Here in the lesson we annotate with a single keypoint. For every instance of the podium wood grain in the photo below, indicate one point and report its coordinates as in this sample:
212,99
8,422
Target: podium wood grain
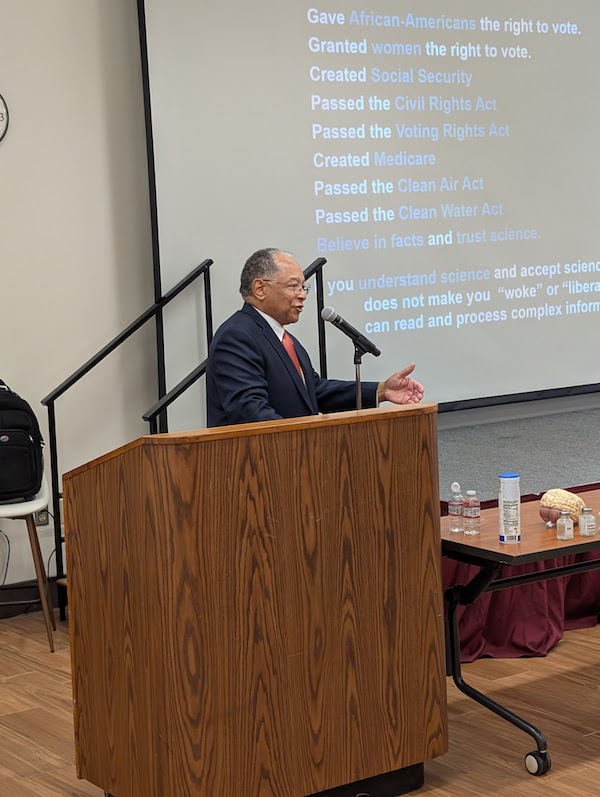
257,610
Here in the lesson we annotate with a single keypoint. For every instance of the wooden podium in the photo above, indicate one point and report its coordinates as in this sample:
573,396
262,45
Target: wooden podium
256,610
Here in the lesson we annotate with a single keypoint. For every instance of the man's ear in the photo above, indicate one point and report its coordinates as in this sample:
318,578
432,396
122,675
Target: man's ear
258,288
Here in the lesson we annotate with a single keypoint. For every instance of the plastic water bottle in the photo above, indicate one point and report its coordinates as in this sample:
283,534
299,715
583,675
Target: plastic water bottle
455,509
472,513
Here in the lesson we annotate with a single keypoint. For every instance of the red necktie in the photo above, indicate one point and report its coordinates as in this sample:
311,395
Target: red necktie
288,345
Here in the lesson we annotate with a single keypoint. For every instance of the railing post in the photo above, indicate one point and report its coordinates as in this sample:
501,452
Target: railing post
321,324
58,540
316,269
208,308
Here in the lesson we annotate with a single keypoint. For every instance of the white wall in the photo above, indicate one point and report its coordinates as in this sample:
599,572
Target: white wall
75,246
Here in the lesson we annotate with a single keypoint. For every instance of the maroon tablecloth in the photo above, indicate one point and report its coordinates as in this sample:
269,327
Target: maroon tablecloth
527,620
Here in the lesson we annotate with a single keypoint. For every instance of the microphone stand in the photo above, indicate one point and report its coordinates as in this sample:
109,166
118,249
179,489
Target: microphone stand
362,346
359,350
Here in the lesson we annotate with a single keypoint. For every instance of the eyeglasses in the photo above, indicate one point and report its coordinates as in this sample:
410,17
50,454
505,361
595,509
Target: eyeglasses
295,289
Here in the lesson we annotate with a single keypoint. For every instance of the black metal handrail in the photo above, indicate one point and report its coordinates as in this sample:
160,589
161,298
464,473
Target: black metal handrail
315,269
50,400
151,415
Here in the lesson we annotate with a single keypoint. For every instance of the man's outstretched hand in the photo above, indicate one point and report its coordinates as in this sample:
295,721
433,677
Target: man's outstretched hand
399,388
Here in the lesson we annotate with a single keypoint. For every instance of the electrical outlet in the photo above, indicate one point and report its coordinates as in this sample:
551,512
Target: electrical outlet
42,518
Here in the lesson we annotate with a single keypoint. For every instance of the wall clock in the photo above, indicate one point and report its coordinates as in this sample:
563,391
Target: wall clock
3,117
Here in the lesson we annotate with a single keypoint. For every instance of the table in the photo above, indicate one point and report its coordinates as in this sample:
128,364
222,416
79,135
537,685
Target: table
538,544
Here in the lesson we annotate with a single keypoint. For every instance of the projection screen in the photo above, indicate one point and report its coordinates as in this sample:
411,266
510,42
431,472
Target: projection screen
440,155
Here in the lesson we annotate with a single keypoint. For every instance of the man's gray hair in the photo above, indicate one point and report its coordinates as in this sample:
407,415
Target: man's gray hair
260,265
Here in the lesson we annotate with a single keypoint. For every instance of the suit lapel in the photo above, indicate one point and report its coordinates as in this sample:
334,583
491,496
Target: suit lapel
309,396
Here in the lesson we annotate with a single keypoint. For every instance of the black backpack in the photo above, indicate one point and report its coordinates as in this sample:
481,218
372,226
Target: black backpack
21,460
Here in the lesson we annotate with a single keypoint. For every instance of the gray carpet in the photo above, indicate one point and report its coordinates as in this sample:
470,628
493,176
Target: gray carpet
561,450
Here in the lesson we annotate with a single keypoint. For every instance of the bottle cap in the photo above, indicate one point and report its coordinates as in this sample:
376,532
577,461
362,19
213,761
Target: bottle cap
587,508
509,474
565,513
471,492
455,487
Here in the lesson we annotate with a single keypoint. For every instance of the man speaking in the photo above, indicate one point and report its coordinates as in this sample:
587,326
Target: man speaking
257,371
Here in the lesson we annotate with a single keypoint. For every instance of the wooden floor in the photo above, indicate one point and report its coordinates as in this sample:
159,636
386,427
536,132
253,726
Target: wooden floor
560,693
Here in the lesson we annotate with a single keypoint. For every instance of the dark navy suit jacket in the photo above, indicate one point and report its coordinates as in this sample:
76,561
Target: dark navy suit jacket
250,377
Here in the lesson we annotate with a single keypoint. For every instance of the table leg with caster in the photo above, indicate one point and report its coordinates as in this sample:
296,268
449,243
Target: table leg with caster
538,762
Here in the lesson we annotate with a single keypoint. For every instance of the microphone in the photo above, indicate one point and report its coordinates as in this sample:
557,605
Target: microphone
329,314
